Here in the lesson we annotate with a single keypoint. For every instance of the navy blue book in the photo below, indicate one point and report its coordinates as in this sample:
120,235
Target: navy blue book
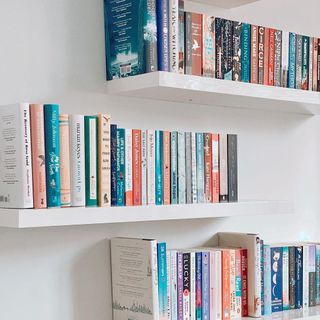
299,277
276,279
163,35
113,140
120,167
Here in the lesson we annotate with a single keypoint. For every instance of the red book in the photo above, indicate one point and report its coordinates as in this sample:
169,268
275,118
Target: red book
215,168
266,56
225,285
271,56
244,279
208,167
136,166
196,44
254,54
166,167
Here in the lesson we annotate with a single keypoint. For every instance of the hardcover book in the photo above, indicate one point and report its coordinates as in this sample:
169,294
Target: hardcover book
276,276
162,9
236,66
128,170
159,166
174,167
166,168
245,52
227,50
254,54
136,167
209,46
113,138
121,167
181,169
261,52
151,163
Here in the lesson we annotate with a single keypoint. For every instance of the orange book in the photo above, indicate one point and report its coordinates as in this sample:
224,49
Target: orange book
215,168
136,166
271,57
207,167
166,167
266,56
225,285
38,156
315,65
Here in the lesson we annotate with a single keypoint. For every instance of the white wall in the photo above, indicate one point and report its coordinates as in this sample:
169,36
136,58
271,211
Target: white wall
53,50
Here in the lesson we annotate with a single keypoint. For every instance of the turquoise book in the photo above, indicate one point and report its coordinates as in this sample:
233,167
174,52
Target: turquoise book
245,56
174,166
292,60
52,154
162,280
91,160
200,166
121,167
159,167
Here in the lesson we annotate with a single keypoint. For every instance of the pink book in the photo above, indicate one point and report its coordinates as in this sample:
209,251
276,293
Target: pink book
38,156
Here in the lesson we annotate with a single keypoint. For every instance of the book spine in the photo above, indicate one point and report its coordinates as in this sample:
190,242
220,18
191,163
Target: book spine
78,188
299,62
219,28
121,167
162,7
159,167
104,180
272,51
267,280
292,60
151,170
318,78
162,281
315,65
188,167
128,170
196,29
312,275
257,310
245,52
198,286
305,63
299,278
285,59
277,58
209,46
232,284
244,284
192,286
266,60
174,167
318,274
90,129
232,168
305,276
261,49
223,167
215,168
262,275
207,167
136,167
276,276
236,65
143,167
181,37
285,279
38,156
180,285
311,53
166,168
173,284
225,285
238,284
227,50
113,164
217,297
52,155
186,285
200,166
292,277
194,168
174,35
213,285
188,42
65,179
181,169
169,297
254,72
205,286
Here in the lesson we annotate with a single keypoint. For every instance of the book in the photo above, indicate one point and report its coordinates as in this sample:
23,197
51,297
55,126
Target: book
181,37
317,274
194,168
151,162
52,147
113,163
261,52
91,163
200,166
312,275
180,285
216,285
277,58
196,55
143,167
285,278
223,167
236,65
219,28
192,314
262,275
215,168
299,277
77,161
169,298
226,285
285,59
205,285
198,284
209,46
16,189
128,170
318,78
292,277
166,168
245,52
174,35
299,50
136,167
207,167
276,276
174,166
181,169
292,60
121,174
310,65
305,276
173,285
104,169
162,281
272,51
186,285
244,282
266,53
232,168
227,50
162,9
38,156
139,257
159,166
315,65
238,284
305,63
188,42
254,72
188,167
233,284
267,280
65,180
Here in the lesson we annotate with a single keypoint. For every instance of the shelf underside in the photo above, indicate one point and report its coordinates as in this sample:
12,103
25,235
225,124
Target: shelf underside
228,4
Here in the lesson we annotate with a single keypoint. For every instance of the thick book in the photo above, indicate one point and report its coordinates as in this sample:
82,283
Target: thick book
113,163
104,169
181,168
254,73
207,167
236,64
174,35
276,276
186,284
196,52
162,281
299,51
174,166
277,58
38,156
166,168
223,167
266,54
305,63
136,166
267,280
285,59
121,174
159,166
16,190
245,52
151,170
200,166
90,129
299,277
261,52
188,42
232,168
52,144
77,161
227,50
65,180
226,315
244,282
215,168
188,167
128,170
181,37
209,46
285,278
162,9
292,277
134,257
219,28
194,168
271,63
292,60
205,285
143,167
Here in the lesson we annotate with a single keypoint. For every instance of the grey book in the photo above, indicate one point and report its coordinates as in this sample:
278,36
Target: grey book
277,58
188,167
299,62
188,42
232,168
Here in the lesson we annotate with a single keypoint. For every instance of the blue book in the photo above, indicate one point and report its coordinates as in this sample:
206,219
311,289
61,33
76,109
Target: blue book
205,285
262,275
267,280
198,285
120,167
246,56
299,277
305,63
162,280
276,279
200,166
317,274
163,35
159,167
292,60
174,166
52,154
113,165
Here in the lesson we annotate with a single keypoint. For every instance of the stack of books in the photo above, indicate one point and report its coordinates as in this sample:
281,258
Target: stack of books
76,160
240,277
146,36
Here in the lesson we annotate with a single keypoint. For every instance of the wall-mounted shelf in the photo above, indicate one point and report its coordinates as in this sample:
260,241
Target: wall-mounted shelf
32,218
207,91
228,4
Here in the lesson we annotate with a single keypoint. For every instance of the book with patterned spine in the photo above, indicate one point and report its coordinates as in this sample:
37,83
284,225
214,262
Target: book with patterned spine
305,63
227,50
236,65
219,28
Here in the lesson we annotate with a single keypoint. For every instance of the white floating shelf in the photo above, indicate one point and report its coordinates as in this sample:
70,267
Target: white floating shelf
207,91
228,4
32,218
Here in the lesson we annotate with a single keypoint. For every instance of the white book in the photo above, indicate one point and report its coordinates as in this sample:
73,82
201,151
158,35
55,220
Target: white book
194,168
305,273
285,59
143,167
128,163
16,189
174,35
311,53
173,284
215,286
168,284
151,171
192,286
181,168
223,164
134,274
233,312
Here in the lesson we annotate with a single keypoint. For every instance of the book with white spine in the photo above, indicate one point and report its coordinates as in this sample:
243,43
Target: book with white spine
143,167
128,171
151,158
285,59
305,276
194,168
215,285
173,284
174,35
181,168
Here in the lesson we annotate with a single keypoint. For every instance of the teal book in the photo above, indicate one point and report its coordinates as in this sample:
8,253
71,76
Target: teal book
246,55
174,166
121,167
305,63
91,160
292,60
52,154
159,167
162,280
200,166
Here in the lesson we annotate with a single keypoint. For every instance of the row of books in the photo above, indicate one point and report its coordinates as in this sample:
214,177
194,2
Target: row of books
159,35
76,160
239,277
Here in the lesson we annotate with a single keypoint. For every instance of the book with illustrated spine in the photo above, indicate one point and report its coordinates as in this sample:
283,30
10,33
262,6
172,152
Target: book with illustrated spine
245,52
181,169
236,65
159,166
277,58
196,55
143,167
166,168
151,170
188,167
194,168
113,163
136,166
128,170
219,28
227,50
121,174
174,166
209,46
276,278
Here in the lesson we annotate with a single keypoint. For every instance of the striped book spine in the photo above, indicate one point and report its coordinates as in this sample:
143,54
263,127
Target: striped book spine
151,170
215,168
292,60
174,167
305,63
128,171
271,66
181,169
143,167
120,167
245,52
136,166
159,167
38,156
254,54
277,58
194,168
266,54
113,163
200,167
261,50
52,154
209,46
166,167
299,62
285,59
207,167
181,37
188,167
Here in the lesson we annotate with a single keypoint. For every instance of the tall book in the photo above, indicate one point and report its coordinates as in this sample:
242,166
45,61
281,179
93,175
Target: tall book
113,164
200,166
180,285
121,174
276,276
219,28
292,60
244,282
159,166
207,167
254,72
236,65
198,284
266,54
305,276
151,162
181,37
312,275
174,35
299,277
232,168
136,166
65,181
52,143
285,278
261,50
186,285
315,65
162,281
192,285
174,166
104,181
173,276
138,256
166,168
38,156
292,277
215,285
227,50
16,190
226,285
128,170
285,59
209,46
188,42
299,50
305,63
90,128
272,50
188,167
77,161
196,29
223,167
267,280
245,52
310,71
181,168
277,58
194,168
143,167
215,168
162,9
